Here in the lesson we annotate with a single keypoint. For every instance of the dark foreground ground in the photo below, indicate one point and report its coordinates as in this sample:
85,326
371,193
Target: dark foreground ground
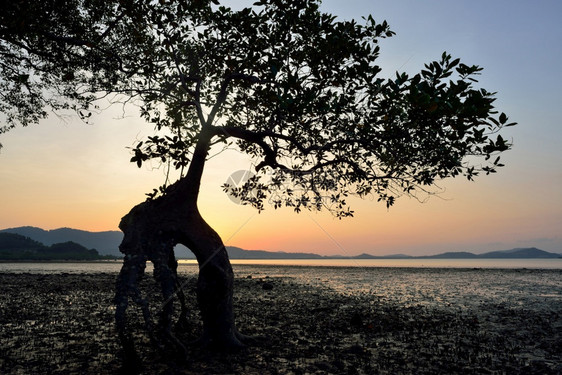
64,324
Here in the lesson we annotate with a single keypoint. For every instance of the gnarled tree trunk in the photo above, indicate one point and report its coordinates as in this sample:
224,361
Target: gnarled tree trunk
151,230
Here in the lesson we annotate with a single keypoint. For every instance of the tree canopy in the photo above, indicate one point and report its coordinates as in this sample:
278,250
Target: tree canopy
293,87
296,88
65,54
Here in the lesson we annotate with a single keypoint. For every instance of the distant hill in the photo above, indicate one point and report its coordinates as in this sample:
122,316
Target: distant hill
524,253
107,243
17,247
520,253
453,255
16,242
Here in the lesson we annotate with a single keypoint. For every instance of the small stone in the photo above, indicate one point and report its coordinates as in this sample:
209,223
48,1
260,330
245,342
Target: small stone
356,349
356,320
326,367
267,286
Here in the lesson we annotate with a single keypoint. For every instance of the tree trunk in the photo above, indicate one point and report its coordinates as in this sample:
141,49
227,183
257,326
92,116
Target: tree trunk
214,288
151,230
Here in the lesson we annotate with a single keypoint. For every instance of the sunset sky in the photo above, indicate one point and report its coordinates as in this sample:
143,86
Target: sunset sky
64,173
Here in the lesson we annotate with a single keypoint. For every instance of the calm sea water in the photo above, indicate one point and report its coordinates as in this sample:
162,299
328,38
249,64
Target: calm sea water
190,266
412,263
436,282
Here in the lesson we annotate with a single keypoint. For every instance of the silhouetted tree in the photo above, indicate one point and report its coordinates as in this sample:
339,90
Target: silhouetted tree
295,88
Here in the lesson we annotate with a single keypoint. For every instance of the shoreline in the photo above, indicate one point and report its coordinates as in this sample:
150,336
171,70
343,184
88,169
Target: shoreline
63,323
62,261
453,264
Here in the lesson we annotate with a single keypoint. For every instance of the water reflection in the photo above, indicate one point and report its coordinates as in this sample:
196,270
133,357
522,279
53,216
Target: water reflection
445,286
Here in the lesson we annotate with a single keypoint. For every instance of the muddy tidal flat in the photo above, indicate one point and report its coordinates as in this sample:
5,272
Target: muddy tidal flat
63,324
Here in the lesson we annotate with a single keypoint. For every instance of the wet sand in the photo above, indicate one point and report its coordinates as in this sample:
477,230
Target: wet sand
63,324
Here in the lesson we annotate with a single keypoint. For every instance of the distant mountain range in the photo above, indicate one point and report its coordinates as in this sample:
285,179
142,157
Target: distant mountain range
521,253
17,247
107,243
